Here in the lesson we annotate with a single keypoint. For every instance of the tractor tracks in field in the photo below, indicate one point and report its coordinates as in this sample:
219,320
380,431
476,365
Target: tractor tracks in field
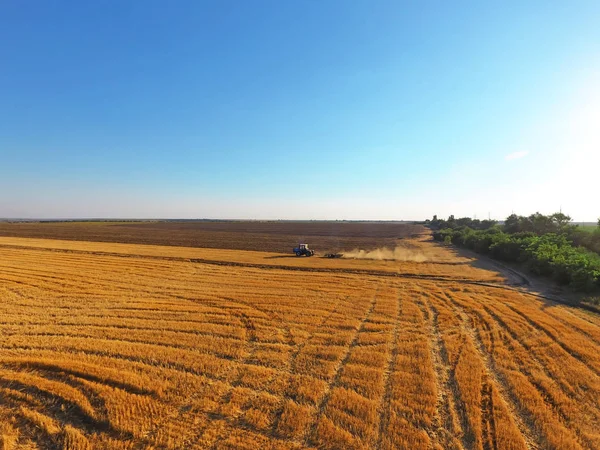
386,399
292,363
447,424
513,341
88,414
227,398
518,280
493,378
534,370
312,435
552,336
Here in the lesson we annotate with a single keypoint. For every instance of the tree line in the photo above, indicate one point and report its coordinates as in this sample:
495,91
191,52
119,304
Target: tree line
546,245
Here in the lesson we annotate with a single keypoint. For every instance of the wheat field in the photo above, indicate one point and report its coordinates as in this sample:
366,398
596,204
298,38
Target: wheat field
117,346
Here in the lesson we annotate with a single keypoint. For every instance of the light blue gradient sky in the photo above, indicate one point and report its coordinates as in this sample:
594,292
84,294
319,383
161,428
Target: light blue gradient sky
308,110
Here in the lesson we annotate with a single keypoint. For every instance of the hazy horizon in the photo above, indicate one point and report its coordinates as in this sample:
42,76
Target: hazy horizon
209,219
269,110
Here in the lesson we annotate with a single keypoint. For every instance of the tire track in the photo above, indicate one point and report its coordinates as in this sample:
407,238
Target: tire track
293,359
522,420
311,438
487,417
386,399
573,327
552,337
57,369
227,396
32,432
512,340
209,413
64,409
446,422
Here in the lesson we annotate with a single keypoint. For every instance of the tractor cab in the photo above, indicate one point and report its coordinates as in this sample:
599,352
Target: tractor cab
303,250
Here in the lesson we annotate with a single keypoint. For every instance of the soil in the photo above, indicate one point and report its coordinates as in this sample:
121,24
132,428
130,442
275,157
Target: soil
272,236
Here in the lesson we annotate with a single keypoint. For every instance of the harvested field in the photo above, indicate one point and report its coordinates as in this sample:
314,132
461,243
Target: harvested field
121,346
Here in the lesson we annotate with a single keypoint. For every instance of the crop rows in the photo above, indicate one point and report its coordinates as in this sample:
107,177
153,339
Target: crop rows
99,351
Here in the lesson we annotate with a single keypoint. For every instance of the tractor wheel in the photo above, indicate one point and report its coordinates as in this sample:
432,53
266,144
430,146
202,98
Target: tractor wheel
298,253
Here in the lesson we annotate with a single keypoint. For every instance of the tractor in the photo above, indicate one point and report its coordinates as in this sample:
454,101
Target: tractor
303,250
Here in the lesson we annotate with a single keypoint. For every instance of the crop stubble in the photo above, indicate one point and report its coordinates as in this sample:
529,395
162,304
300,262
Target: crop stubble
102,351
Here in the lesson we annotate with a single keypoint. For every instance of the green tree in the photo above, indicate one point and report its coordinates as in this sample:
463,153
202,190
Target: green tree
512,224
487,224
541,224
560,220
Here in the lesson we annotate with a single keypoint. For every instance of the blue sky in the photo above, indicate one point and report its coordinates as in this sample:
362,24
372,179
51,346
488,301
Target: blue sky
280,109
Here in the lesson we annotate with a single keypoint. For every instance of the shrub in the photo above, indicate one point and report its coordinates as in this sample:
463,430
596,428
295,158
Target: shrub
550,254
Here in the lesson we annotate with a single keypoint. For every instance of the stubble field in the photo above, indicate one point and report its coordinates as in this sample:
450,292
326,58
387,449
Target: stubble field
138,347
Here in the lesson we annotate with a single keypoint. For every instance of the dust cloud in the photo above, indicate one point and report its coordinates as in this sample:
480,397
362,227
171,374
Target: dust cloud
388,254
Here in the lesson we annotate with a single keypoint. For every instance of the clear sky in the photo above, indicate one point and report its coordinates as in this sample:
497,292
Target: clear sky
299,109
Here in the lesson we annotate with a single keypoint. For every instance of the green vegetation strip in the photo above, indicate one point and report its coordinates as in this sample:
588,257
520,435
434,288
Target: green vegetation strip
547,245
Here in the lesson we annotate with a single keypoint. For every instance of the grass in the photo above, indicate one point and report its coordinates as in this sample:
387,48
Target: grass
162,350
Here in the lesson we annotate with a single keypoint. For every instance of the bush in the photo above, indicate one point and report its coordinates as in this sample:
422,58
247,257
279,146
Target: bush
587,239
550,254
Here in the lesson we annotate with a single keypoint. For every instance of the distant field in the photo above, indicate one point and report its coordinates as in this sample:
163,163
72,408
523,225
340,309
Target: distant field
123,346
260,236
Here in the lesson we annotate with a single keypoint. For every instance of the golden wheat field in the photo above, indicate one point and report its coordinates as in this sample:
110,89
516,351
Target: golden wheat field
121,346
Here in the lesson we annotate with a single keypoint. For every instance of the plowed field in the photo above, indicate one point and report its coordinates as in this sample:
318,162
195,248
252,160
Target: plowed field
268,236
116,346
